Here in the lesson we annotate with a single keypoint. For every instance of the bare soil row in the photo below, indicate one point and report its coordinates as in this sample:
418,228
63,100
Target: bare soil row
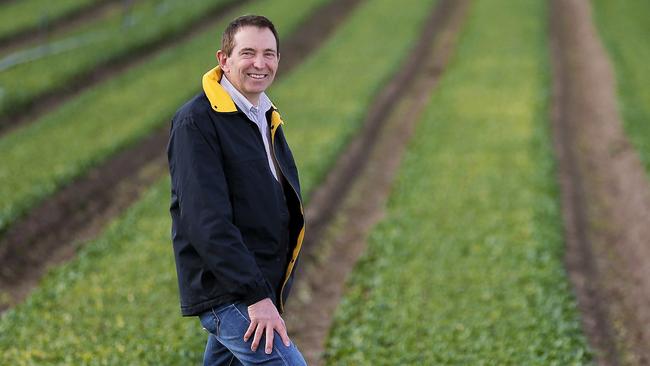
605,192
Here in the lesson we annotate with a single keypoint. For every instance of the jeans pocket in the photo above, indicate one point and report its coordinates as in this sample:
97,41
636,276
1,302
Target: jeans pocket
210,322
233,322
242,310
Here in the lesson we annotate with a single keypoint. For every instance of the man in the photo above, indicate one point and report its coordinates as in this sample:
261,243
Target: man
237,217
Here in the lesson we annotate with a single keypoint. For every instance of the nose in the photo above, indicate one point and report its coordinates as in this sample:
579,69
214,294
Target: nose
258,62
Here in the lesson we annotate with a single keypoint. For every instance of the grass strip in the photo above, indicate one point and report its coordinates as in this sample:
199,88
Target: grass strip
624,28
117,302
85,131
20,15
29,73
466,267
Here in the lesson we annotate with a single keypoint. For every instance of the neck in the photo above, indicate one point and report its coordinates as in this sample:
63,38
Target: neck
254,99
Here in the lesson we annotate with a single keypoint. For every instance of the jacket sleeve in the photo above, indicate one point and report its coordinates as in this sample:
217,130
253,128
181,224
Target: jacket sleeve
196,168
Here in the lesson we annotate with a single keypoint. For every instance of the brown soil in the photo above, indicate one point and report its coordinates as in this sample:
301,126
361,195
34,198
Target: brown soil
605,192
66,21
356,188
52,231
51,99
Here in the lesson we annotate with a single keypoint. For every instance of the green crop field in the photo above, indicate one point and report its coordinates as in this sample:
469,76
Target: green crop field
116,302
27,73
24,14
625,30
466,268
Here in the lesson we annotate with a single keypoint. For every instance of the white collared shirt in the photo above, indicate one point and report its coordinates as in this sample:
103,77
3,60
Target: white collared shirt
257,114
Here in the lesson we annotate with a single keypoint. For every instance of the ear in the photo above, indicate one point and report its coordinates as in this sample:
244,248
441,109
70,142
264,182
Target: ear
223,58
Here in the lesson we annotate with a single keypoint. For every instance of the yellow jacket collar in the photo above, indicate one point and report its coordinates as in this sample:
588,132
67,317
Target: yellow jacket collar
219,98
221,101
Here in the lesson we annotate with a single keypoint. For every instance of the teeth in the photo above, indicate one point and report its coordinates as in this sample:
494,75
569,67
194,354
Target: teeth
257,76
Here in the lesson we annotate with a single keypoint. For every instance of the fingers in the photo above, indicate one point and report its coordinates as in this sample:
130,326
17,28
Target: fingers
250,330
264,321
267,330
283,334
269,340
257,337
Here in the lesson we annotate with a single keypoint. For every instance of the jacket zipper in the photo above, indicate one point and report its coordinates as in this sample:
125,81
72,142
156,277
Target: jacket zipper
302,230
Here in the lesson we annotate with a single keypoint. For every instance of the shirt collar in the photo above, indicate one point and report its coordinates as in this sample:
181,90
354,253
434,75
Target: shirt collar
242,102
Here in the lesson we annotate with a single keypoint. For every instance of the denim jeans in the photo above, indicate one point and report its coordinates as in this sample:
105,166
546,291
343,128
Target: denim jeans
226,326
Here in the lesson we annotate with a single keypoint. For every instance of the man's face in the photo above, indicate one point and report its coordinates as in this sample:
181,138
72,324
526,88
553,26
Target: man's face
254,60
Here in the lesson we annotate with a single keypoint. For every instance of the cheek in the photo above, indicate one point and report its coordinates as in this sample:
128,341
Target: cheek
230,63
244,68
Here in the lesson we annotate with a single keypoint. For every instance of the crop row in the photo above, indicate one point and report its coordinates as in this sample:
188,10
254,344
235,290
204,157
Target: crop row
466,267
54,64
624,27
27,14
117,302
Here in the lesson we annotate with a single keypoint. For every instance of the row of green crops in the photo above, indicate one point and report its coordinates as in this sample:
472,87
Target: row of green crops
64,144
117,302
26,14
25,74
466,268
625,29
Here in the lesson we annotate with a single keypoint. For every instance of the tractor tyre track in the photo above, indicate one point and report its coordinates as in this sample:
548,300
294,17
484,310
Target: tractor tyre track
605,192
51,232
351,201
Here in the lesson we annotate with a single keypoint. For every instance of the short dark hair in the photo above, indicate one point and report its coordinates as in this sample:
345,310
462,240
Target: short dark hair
259,21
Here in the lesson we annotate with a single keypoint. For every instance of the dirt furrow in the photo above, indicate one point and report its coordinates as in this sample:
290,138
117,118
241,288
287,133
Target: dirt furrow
67,21
51,99
605,192
51,232
351,201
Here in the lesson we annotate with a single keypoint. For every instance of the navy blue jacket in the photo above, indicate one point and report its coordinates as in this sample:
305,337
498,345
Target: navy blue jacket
236,231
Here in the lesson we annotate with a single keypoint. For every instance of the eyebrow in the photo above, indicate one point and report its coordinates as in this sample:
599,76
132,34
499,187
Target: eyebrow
253,50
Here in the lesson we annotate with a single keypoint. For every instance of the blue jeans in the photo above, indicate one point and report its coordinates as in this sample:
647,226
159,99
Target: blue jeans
226,326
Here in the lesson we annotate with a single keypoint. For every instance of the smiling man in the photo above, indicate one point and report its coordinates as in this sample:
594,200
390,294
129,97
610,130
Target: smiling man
237,216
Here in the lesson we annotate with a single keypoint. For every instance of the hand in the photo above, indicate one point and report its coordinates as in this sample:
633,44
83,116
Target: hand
264,320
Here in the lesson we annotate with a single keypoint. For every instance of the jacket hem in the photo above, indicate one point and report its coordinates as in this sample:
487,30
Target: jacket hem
196,309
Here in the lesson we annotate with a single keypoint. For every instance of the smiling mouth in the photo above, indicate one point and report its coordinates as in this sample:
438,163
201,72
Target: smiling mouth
257,76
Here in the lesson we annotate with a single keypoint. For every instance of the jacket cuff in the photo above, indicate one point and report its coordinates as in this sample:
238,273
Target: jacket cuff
258,291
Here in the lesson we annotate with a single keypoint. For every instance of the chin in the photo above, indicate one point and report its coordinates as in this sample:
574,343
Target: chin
257,89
